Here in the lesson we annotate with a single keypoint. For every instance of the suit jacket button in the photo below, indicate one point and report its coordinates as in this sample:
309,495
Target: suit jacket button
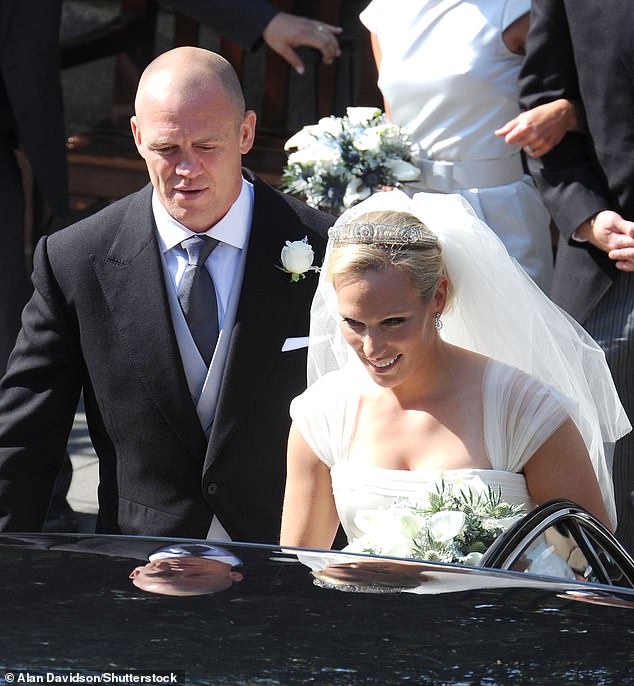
212,488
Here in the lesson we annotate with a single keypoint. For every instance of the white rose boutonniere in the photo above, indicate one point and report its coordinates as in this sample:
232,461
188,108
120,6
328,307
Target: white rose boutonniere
297,259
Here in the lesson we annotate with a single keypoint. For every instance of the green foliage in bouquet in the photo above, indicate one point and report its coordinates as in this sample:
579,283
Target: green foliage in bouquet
485,517
458,523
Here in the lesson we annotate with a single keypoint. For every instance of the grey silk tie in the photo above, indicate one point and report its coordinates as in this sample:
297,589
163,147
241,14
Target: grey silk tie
197,295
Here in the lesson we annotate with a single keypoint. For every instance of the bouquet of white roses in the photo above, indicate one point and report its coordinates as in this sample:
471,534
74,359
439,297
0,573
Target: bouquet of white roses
458,523
340,161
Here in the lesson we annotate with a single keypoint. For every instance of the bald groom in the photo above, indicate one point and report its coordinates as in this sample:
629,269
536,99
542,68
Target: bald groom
187,363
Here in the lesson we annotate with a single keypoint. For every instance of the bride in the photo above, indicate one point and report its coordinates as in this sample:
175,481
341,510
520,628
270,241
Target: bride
433,354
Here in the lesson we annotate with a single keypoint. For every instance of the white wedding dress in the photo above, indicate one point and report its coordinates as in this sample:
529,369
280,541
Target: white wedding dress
520,413
450,81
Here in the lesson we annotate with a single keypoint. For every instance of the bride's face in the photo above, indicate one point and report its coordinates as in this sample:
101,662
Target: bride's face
385,321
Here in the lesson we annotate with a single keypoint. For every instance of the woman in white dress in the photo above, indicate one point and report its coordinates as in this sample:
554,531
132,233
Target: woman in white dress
432,353
448,72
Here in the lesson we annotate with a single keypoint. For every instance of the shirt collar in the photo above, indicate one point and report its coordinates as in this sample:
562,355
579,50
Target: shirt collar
232,229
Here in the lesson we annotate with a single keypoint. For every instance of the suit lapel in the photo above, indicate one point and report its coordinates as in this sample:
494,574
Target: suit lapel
132,280
268,307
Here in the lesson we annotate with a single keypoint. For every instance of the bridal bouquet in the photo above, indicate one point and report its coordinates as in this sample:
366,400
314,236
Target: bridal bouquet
457,524
340,161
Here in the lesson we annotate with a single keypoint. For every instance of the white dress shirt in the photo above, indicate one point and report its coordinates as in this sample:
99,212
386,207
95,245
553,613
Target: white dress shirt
212,553
232,231
224,265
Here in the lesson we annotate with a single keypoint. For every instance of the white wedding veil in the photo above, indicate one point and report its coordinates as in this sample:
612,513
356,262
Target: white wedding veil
498,311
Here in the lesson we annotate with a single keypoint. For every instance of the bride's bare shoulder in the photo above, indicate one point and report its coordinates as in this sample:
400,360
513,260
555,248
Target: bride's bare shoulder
466,363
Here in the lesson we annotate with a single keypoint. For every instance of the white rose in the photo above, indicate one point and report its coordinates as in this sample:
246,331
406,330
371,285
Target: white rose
317,152
297,256
402,170
370,139
301,139
446,525
388,532
330,125
472,559
362,115
356,191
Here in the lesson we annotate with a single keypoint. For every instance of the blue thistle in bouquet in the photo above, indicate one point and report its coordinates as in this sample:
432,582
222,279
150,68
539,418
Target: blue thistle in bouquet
340,161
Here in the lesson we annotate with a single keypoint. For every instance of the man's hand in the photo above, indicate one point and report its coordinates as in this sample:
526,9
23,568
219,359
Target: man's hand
611,233
287,31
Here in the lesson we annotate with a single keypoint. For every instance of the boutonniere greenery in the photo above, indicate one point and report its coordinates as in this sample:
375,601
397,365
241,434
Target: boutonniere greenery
297,258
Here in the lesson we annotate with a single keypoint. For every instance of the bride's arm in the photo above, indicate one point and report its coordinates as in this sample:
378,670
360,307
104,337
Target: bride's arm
309,516
561,468
378,56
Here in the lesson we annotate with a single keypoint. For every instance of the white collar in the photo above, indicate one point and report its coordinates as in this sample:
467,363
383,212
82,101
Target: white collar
232,229
211,552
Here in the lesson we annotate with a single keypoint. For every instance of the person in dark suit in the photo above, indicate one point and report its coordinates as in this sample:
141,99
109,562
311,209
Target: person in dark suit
582,51
32,120
185,448
248,22
180,568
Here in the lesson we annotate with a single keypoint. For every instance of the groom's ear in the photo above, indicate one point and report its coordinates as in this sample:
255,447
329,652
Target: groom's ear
247,132
136,134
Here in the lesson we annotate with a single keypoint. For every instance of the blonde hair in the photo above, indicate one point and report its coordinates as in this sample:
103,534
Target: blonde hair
420,258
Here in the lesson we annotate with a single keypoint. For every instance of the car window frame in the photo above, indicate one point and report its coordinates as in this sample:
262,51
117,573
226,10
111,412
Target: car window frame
513,543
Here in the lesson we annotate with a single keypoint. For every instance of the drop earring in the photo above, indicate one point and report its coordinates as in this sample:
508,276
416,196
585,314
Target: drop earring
437,321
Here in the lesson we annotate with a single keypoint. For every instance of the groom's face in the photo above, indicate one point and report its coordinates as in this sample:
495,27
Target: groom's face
192,143
182,576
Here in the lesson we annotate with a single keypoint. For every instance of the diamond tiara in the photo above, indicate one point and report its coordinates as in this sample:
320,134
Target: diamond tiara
372,233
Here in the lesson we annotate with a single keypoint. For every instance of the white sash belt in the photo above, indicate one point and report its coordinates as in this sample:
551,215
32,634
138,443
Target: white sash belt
446,177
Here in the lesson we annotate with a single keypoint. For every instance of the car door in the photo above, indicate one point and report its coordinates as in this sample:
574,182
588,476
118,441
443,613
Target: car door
563,540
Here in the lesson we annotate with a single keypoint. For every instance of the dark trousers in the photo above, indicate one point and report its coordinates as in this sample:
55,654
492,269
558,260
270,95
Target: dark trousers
612,326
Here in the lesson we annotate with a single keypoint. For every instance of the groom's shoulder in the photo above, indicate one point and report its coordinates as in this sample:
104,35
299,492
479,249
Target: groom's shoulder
274,206
101,225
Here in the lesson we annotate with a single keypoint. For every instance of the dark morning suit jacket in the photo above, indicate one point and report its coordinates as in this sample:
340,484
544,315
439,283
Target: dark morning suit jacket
241,20
584,49
31,106
99,320
111,546
31,117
